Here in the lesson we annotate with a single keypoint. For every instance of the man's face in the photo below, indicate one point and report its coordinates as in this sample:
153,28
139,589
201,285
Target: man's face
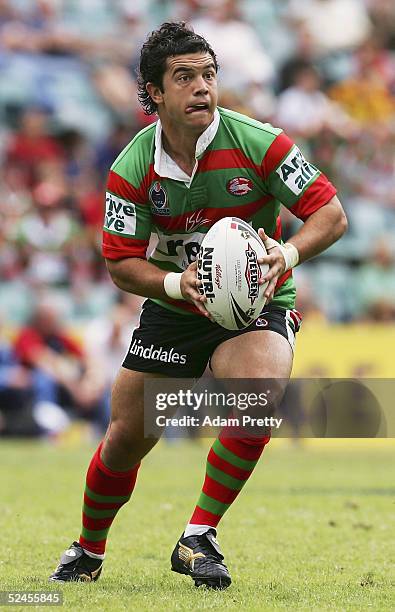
189,96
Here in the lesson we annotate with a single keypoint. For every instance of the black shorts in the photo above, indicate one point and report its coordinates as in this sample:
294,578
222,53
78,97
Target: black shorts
180,346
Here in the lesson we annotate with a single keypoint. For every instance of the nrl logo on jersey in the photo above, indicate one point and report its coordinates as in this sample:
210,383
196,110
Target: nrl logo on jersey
158,197
239,186
295,171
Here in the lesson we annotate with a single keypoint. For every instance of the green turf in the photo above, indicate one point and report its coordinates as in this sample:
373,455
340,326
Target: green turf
312,530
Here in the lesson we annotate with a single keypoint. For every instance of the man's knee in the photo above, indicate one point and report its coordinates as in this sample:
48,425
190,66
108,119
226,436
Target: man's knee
119,434
124,446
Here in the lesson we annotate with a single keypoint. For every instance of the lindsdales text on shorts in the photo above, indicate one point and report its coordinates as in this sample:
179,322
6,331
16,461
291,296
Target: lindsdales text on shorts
326,408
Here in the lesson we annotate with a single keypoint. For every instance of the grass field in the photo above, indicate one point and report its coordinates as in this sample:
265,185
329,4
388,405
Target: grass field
313,529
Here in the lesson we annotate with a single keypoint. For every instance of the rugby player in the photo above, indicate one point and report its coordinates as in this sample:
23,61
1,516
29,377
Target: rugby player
197,164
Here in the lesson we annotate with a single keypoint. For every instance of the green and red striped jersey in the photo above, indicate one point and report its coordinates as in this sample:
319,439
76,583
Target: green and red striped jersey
243,169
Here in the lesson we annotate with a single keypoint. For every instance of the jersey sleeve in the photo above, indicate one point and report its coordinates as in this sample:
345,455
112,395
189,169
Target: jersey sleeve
293,180
127,220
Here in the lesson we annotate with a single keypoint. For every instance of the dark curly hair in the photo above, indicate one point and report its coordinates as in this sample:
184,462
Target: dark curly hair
169,40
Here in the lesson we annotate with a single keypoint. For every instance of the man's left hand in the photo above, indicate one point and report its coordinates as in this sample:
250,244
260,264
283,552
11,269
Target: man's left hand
276,262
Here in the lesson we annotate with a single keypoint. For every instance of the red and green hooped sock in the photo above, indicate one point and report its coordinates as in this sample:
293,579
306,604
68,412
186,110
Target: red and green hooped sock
106,492
230,463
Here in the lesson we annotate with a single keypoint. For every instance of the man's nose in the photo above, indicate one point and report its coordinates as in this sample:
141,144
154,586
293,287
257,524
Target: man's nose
200,85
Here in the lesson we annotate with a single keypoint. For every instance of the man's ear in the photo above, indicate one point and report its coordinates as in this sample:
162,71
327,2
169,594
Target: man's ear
155,93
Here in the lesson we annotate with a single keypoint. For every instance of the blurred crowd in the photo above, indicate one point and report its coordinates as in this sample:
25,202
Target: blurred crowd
324,70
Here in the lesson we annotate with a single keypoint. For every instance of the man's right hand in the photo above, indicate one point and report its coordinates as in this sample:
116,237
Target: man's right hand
189,289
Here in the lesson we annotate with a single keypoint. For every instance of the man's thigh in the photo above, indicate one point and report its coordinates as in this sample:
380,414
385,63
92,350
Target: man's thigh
256,354
265,359
262,350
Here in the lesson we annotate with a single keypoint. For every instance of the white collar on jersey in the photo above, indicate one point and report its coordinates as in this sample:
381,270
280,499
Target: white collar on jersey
166,167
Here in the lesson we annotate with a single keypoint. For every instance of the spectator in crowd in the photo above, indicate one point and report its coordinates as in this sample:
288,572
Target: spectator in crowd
62,374
238,47
375,283
15,200
365,167
106,339
15,395
333,26
305,111
46,237
367,94
187,10
32,145
108,150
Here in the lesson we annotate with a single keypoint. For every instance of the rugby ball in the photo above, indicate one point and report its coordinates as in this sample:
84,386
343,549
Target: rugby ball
227,265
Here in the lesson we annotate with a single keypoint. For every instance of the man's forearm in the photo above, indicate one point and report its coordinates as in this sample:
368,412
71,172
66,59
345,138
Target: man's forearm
137,276
143,278
320,231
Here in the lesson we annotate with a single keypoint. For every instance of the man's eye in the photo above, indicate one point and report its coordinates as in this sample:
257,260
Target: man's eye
209,75
184,78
